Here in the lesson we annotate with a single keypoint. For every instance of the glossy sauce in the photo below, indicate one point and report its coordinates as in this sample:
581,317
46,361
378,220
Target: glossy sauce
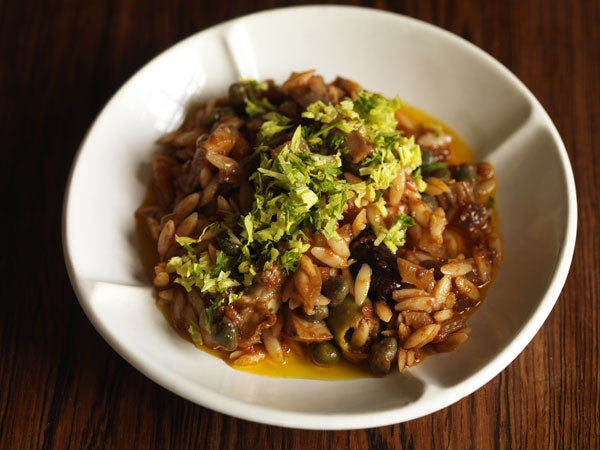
297,363
459,151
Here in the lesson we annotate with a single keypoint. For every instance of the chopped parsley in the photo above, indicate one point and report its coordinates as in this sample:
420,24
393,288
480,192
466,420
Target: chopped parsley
395,236
198,270
295,189
256,102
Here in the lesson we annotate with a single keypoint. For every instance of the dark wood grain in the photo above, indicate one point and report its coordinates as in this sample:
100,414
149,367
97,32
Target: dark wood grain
62,386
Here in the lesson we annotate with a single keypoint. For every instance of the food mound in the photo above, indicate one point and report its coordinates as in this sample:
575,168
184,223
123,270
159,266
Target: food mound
316,217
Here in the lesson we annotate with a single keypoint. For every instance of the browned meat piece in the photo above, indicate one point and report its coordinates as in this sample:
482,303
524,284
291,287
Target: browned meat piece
306,88
359,147
250,318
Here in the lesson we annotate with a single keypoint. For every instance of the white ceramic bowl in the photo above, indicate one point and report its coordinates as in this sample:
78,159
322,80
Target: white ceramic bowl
427,67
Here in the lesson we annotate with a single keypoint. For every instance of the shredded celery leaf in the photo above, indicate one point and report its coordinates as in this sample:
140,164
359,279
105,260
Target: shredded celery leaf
300,189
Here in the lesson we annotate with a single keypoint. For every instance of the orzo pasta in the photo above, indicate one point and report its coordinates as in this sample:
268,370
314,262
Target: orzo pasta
319,217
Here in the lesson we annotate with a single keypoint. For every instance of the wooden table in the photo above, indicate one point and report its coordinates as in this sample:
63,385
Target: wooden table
62,386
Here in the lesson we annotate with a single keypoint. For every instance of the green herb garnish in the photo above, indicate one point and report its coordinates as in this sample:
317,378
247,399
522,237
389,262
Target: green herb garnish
299,189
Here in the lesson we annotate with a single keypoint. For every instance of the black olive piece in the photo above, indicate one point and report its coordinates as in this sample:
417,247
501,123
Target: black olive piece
379,257
385,277
382,286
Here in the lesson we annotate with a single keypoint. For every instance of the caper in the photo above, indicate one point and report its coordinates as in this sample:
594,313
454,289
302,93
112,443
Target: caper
215,115
382,355
225,334
336,289
324,354
442,172
432,168
426,158
465,172
238,96
228,247
430,200
320,312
